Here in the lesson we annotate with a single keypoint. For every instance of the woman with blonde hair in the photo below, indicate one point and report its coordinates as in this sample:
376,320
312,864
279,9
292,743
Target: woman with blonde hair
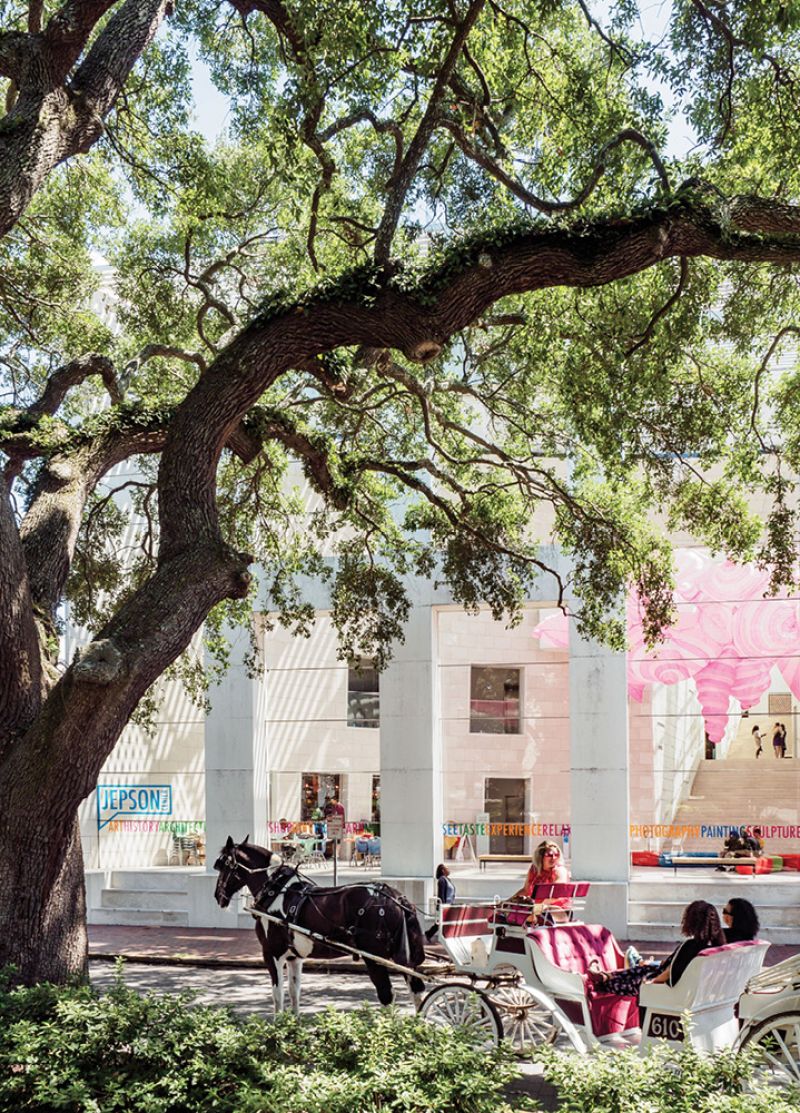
546,868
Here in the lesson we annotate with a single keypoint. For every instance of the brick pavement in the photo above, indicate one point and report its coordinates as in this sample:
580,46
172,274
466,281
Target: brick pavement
239,947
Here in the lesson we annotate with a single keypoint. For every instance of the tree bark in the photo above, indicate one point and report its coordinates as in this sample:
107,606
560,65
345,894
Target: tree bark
42,892
50,770
60,109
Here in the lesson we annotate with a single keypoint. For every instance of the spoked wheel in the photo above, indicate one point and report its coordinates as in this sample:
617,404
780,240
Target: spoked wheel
454,1005
778,1038
527,1022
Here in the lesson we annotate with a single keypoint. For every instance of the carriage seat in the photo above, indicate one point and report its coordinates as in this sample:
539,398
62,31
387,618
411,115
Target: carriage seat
563,957
709,989
568,897
466,934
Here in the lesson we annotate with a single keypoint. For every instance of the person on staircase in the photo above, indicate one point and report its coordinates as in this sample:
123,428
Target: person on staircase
758,738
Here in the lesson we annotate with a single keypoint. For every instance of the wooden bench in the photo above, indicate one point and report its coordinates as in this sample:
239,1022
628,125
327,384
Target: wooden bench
484,858
687,860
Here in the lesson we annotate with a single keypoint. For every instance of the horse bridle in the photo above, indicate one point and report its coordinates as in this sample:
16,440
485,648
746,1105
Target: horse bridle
229,862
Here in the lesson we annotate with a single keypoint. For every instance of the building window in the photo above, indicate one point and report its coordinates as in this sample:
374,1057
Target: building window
363,695
376,799
315,790
494,700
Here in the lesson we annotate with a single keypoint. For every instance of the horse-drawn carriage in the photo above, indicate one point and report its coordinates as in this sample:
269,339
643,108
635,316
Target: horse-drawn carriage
531,982
524,972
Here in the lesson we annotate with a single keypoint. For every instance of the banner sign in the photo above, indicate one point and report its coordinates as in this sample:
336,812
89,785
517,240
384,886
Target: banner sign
125,801
715,831
562,829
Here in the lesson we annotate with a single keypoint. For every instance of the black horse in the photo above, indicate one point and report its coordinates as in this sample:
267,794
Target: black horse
369,917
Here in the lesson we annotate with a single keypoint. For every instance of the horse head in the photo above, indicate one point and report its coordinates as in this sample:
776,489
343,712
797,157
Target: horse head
237,864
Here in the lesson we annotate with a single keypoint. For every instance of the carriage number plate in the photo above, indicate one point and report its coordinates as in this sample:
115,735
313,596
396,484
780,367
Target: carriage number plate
666,1027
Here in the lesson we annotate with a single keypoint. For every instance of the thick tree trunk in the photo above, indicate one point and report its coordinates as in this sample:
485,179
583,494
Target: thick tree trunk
51,768
42,895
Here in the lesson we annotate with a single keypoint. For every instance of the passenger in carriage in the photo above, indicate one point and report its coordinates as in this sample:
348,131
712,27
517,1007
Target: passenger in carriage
546,869
700,923
741,921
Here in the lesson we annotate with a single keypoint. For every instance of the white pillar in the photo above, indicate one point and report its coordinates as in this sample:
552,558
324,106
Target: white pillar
411,754
236,755
598,703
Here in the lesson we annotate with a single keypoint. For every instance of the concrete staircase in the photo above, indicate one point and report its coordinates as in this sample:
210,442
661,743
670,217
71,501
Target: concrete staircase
735,791
743,790
144,897
655,906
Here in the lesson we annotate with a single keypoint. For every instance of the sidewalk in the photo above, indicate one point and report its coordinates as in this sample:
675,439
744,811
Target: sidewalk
182,946
237,947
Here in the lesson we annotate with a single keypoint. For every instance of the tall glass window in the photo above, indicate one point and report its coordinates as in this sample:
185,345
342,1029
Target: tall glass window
376,799
494,700
363,695
315,790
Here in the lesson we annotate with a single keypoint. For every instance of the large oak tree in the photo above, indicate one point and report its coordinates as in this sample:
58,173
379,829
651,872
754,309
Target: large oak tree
454,257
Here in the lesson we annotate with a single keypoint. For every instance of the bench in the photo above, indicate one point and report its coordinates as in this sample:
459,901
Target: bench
715,860
709,989
562,958
484,858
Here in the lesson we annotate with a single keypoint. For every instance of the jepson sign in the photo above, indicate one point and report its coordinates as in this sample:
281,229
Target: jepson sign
124,801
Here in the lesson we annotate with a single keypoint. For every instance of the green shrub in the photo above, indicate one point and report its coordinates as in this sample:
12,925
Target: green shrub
70,1049
665,1081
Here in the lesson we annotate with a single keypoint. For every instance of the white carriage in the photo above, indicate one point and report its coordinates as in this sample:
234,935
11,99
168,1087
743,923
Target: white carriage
769,1012
532,985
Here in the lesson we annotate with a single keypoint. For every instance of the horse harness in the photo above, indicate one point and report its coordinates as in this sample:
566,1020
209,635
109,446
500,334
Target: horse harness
297,895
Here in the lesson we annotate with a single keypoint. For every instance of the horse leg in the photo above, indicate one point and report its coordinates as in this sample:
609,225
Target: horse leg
272,969
379,976
277,986
295,974
417,989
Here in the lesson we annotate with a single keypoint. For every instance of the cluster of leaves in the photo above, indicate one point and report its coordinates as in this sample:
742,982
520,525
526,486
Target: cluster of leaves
604,415
665,1081
70,1049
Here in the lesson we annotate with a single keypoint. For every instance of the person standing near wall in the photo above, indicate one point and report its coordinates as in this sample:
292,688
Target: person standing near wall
758,738
446,893
778,741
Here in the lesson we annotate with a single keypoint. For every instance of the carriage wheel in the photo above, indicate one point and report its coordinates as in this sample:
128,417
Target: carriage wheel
454,1005
778,1038
529,1024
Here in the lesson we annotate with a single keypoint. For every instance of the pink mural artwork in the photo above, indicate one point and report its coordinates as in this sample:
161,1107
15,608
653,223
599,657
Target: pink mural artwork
727,638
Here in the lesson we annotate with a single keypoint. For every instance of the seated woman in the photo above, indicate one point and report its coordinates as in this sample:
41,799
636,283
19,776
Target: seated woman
699,923
545,869
741,920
